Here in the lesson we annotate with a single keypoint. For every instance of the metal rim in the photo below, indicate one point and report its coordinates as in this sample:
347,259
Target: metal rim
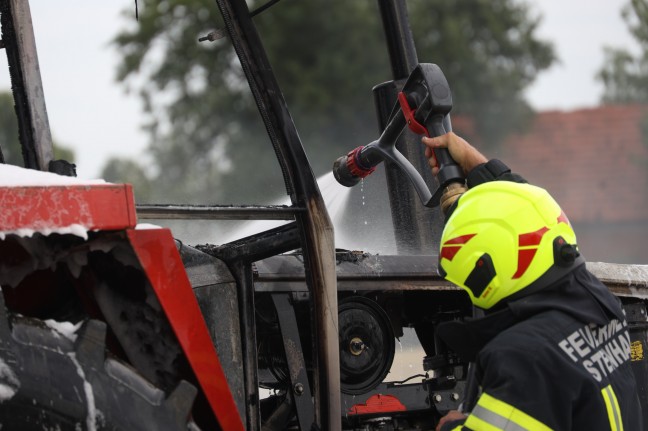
367,344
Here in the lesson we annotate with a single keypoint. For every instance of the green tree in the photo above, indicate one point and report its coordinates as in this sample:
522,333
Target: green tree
207,142
9,130
490,54
624,74
119,169
9,142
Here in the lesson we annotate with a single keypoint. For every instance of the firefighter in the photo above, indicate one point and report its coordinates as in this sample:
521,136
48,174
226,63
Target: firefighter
552,351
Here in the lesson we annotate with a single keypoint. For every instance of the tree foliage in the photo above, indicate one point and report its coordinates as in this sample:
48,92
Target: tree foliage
624,74
207,142
490,54
127,168
9,142
9,130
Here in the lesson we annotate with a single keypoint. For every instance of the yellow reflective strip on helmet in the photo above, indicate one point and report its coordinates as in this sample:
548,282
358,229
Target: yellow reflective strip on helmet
613,410
502,416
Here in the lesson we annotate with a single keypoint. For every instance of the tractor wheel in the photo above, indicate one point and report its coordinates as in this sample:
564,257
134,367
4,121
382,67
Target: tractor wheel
52,381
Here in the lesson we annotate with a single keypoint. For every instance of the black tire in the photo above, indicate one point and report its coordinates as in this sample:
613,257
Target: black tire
49,382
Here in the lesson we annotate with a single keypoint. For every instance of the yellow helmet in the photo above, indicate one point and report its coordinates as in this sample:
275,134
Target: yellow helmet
501,238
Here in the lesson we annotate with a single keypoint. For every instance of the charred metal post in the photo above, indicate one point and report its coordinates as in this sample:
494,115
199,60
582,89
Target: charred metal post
315,227
416,227
20,44
239,256
400,43
215,212
242,272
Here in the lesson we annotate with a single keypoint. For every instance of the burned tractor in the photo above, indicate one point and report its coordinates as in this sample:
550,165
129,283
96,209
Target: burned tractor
107,323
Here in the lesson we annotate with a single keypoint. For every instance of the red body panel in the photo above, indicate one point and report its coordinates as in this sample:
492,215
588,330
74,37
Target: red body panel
96,207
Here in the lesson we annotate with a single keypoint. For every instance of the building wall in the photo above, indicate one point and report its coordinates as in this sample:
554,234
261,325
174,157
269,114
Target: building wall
595,164
593,161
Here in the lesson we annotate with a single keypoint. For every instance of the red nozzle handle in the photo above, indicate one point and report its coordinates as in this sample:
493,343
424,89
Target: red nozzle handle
408,112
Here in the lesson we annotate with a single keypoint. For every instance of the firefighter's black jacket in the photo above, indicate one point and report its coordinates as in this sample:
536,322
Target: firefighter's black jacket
558,359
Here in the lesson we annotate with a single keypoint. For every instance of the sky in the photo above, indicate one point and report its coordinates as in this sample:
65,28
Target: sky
93,114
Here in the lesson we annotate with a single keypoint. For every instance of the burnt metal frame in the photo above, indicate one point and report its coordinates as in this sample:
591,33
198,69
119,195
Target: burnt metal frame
33,125
314,224
239,256
315,229
216,212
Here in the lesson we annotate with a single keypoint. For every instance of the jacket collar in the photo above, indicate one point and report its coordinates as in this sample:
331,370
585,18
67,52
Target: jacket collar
578,294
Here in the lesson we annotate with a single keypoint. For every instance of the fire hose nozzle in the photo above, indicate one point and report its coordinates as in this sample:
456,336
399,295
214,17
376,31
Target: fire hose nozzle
423,106
348,170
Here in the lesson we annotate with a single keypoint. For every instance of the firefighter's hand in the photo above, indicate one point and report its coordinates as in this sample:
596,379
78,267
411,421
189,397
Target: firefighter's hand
466,156
453,415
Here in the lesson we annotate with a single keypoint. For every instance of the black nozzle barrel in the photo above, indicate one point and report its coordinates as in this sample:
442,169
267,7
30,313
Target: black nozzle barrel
350,169
343,174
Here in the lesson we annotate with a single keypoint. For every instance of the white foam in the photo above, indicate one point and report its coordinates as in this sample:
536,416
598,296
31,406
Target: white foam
15,176
9,383
73,229
65,329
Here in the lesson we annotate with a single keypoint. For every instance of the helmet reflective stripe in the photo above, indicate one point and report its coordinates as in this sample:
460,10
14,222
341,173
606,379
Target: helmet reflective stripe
452,246
530,241
563,218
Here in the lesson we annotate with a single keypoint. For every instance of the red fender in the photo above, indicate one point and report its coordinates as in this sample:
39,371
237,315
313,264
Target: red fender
158,255
112,207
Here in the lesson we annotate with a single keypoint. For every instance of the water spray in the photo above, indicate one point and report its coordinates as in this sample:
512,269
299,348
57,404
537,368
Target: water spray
423,105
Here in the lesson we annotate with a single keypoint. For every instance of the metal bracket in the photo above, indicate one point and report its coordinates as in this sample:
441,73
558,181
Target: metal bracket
300,393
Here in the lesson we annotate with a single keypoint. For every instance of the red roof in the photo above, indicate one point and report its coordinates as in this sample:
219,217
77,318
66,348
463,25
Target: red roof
594,161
